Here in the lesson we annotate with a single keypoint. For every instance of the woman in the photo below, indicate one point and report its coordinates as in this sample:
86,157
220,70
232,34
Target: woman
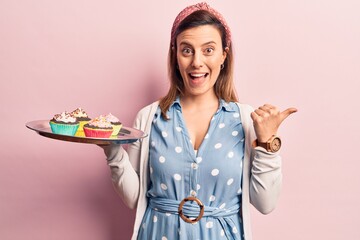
206,157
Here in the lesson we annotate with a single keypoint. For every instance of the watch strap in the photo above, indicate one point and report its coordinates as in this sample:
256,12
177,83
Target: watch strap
256,143
262,144
267,145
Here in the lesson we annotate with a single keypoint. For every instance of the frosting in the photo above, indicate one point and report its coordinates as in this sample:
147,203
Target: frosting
99,122
65,117
111,118
79,113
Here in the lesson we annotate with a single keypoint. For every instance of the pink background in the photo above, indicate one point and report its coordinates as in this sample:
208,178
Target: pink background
110,56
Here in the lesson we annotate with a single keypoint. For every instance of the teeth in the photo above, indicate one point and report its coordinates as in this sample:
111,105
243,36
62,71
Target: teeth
197,74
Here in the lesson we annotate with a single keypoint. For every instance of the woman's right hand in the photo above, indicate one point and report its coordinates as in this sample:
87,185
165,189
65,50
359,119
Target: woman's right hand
267,120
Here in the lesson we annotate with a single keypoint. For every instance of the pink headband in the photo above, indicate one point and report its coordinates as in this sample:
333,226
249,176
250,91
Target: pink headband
193,8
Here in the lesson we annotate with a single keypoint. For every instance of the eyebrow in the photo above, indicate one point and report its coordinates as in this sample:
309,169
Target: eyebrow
207,43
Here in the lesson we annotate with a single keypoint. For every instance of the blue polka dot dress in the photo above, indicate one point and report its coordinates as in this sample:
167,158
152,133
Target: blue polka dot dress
212,174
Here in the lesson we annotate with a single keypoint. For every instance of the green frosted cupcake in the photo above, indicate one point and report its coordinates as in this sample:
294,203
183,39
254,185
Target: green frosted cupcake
64,124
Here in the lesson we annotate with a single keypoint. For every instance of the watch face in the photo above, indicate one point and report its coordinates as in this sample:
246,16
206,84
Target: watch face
275,144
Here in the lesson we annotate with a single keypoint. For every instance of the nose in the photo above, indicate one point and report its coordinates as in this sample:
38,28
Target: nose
197,61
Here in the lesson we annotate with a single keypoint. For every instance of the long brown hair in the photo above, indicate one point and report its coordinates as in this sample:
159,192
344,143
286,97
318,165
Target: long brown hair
224,86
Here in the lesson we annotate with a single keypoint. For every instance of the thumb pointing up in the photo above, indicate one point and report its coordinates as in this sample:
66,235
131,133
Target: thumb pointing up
267,120
286,113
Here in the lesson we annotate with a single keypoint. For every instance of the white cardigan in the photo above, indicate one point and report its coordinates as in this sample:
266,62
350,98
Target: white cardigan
261,183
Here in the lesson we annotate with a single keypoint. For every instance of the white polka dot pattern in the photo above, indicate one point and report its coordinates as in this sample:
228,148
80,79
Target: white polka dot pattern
215,172
163,186
193,193
230,181
178,149
194,166
212,173
177,177
162,159
209,224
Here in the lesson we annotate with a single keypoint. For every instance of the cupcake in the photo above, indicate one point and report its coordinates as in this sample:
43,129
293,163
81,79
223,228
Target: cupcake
116,124
98,127
64,123
83,118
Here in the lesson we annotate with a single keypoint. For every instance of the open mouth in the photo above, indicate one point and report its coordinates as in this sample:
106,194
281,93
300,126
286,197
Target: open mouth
198,75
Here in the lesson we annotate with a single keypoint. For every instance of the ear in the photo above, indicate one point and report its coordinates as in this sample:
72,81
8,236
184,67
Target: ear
225,53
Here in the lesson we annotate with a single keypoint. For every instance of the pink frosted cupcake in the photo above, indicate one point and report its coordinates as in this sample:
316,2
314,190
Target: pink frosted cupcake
64,123
115,122
98,127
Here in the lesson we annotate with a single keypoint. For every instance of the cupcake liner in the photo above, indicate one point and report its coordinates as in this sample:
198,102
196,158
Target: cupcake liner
97,133
116,128
80,130
80,134
64,129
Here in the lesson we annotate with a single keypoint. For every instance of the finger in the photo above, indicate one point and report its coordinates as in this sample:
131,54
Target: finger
254,116
269,105
261,112
270,109
287,113
265,108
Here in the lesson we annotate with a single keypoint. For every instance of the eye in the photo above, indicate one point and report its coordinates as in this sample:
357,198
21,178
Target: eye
209,51
187,51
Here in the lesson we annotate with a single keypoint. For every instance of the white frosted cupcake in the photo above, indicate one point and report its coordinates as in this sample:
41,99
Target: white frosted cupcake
64,123
83,118
115,122
98,127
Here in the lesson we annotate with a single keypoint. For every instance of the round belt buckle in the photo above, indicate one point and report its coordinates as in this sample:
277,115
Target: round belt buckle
186,219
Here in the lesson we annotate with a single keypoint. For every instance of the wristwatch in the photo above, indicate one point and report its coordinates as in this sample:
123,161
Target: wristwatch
272,145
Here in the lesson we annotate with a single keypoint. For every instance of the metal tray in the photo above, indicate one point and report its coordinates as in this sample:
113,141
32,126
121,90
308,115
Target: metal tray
126,134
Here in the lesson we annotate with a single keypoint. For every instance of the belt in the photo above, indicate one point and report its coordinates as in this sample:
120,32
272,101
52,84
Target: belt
188,208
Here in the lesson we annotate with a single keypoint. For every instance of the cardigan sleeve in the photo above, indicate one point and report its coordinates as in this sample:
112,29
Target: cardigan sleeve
125,165
265,180
265,176
124,178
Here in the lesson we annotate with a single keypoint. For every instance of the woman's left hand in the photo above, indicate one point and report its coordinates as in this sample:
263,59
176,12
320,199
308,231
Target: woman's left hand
267,120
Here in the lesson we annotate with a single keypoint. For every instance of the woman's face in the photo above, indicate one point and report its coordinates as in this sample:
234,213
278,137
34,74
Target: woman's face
200,55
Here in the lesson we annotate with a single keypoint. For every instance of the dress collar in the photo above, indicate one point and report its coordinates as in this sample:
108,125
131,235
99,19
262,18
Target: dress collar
222,105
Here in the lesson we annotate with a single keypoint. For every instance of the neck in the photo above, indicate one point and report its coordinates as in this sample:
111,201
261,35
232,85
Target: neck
199,102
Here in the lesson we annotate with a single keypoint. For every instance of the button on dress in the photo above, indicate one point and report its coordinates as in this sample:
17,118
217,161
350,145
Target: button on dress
212,173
